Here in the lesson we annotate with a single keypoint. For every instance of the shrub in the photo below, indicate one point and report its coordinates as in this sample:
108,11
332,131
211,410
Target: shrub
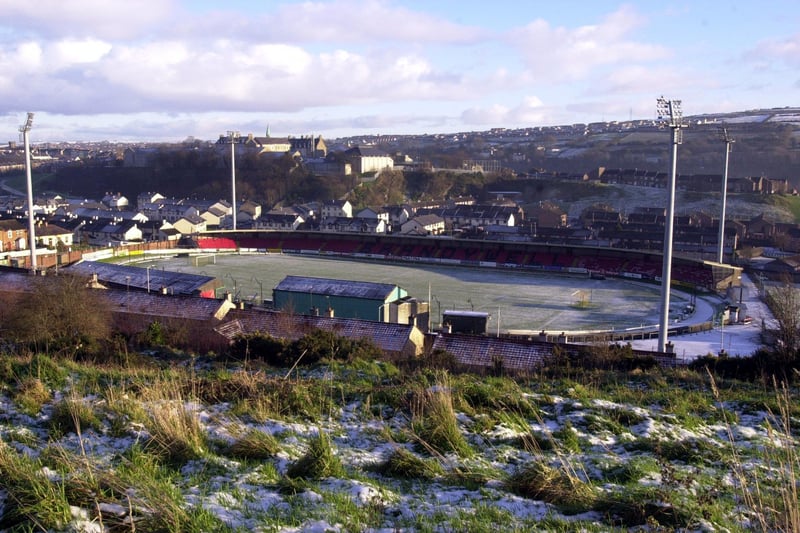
258,346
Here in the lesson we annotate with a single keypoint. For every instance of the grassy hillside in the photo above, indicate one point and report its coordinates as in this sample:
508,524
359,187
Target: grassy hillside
174,442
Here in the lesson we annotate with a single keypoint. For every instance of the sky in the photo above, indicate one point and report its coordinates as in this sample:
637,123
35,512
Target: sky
166,70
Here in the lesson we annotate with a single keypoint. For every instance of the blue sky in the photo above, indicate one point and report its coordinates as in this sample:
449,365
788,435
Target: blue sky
164,70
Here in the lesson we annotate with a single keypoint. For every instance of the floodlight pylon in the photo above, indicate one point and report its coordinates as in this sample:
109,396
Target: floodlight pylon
728,141
670,112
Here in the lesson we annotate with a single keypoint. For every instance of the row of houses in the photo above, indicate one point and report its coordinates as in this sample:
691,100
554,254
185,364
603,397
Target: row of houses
689,182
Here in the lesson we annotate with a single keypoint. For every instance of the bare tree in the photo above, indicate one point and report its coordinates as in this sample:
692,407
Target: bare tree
61,314
784,301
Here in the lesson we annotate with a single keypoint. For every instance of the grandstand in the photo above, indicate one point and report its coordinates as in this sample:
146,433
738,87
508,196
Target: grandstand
575,260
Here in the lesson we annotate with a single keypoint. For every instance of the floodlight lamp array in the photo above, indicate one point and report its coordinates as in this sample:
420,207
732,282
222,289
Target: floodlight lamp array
725,136
28,124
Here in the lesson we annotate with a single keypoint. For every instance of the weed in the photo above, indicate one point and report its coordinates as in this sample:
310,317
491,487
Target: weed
434,422
174,425
72,415
254,444
318,462
404,464
31,395
33,497
568,438
556,486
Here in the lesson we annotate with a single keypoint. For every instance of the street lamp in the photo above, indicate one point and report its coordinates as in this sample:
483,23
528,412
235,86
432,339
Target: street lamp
728,141
669,111
235,294
24,129
233,137
260,289
148,276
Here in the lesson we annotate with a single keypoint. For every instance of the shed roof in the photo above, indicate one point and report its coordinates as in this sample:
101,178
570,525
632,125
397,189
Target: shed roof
336,287
480,351
154,304
137,277
388,336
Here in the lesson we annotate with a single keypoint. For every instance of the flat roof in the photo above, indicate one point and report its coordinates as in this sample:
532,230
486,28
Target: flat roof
474,314
336,287
126,276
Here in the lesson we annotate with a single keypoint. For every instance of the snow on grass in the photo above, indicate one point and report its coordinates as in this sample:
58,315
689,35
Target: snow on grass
615,447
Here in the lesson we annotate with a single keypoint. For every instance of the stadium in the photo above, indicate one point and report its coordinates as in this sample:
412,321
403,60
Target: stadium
689,275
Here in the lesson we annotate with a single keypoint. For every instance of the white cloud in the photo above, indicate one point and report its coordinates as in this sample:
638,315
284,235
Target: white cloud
765,53
557,54
370,21
71,51
528,112
82,18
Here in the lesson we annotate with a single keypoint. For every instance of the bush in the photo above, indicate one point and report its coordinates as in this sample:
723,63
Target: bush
258,346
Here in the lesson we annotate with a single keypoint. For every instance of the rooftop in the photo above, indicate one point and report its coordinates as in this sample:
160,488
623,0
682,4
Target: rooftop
336,287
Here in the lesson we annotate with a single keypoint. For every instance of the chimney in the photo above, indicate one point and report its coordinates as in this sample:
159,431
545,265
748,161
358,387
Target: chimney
329,312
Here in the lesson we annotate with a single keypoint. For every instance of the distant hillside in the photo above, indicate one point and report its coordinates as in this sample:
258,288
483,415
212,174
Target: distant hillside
574,197
767,143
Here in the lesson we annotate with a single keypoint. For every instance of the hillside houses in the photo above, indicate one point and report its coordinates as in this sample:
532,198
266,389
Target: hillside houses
13,235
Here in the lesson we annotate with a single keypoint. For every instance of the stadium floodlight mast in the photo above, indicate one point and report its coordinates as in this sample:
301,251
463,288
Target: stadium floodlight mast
233,137
723,132
669,111
24,129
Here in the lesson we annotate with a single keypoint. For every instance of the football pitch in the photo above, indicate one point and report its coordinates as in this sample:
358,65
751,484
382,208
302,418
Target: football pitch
515,300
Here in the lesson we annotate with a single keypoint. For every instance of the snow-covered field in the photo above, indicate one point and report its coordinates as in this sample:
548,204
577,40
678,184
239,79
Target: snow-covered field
519,300
532,301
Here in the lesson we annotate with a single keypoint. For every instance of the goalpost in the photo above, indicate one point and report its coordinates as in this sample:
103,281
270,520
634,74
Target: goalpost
584,298
204,259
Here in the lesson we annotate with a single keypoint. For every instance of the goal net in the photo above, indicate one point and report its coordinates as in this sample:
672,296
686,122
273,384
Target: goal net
204,259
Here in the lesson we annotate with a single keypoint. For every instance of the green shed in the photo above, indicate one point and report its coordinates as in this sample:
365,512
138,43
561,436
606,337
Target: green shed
336,297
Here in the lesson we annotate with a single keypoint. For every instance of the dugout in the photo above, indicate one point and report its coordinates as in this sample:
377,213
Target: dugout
471,322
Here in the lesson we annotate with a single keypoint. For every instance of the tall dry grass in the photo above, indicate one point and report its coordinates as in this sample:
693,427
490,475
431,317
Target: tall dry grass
173,421
769,493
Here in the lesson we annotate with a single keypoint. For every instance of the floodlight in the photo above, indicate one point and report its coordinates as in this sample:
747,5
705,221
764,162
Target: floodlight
669,111
233,136
24,129
723,133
